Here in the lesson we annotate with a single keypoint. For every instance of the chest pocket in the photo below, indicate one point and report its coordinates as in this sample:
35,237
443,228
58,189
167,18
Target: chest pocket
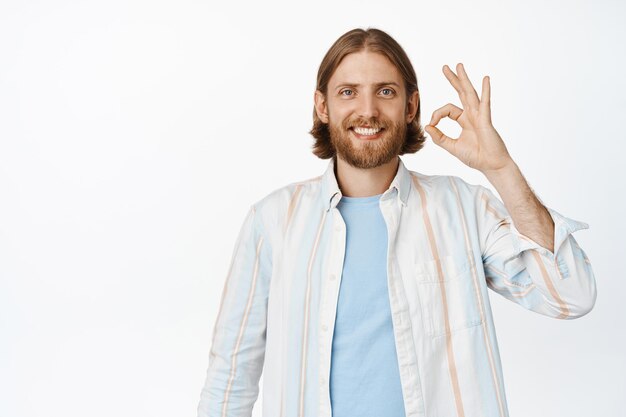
447,295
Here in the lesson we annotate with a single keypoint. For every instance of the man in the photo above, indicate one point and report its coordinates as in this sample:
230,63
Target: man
364,291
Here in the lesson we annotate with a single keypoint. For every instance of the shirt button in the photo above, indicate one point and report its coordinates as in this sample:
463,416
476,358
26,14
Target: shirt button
338,228
324,327
332,277
322,381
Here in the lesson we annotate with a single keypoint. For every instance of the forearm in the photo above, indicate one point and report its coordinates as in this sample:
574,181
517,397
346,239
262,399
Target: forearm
530,217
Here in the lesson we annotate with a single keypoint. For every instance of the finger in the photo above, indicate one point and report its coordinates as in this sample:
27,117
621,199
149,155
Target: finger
454,80
456,83
468,88
440,139
485,98
449,110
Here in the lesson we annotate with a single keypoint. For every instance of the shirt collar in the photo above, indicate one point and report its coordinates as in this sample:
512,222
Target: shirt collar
400,185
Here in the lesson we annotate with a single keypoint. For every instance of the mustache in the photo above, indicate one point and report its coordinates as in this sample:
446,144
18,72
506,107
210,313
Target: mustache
375,124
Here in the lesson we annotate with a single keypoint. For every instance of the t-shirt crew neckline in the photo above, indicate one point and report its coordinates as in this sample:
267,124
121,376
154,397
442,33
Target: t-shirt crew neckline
360,200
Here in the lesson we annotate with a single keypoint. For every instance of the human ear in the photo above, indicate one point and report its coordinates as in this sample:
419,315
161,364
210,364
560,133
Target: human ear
320,106
412,105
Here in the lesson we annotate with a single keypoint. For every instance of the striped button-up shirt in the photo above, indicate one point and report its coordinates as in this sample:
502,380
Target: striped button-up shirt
448,243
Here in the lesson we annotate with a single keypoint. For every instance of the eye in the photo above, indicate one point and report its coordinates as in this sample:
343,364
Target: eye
387,89
343,91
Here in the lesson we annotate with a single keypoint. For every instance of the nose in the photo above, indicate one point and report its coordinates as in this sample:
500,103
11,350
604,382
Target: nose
368,107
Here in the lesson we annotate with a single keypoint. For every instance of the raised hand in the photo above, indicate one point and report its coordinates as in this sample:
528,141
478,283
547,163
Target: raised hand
479,146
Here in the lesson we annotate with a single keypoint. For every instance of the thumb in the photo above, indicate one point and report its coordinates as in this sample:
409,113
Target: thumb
439,138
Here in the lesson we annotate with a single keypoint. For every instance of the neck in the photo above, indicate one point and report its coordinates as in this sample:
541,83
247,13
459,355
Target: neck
357,182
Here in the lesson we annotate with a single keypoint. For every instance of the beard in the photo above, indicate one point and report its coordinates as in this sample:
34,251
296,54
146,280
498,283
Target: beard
364,153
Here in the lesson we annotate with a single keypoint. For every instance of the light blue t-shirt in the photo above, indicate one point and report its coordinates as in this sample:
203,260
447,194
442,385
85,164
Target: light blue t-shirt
364,375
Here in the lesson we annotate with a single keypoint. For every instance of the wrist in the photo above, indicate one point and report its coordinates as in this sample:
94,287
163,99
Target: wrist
507,178
507,170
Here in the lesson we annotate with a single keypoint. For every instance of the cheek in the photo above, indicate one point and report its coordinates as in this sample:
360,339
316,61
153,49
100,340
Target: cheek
340,111
398,113
341,114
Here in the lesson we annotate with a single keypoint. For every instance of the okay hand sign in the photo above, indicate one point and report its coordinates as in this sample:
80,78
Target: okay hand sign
479,146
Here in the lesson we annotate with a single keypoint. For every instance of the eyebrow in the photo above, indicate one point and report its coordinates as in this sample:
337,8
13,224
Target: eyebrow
377,84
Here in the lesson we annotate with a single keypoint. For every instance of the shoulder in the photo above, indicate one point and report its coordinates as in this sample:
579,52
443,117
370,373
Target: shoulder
273,208
446,184
280,198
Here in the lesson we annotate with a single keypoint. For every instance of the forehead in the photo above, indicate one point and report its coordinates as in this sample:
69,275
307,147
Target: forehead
365,67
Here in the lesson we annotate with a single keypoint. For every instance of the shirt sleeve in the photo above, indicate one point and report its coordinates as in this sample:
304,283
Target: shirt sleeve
558,284
238,343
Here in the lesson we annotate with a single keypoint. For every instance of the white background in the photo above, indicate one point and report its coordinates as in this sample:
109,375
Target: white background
134,135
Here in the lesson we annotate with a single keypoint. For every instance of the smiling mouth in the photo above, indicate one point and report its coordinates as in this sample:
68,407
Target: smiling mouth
366,133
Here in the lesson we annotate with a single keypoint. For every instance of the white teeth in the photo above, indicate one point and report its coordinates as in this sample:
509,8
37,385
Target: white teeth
366,131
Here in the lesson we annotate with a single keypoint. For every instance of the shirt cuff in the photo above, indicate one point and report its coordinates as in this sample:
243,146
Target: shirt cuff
563,227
